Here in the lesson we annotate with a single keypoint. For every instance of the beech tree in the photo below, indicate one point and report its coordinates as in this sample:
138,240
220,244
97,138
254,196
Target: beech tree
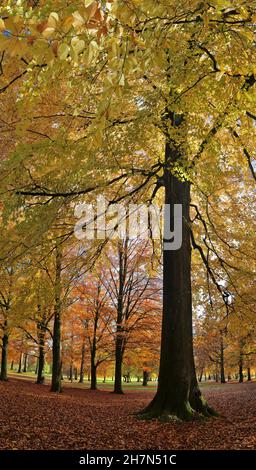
183,74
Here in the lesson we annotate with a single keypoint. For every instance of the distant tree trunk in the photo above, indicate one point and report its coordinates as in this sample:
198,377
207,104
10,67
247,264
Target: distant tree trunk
249,374
25,362
93,376
5,341
75,373
178,393
94,350
241,366
81,378
201,375
56,347
71,372
20,363
222,370
41,346
104,378
119,345
40,369
12,364
145,378
118,363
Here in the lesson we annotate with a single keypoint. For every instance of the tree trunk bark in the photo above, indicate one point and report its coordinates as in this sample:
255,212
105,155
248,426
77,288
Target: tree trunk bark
201,375
20,363
56,347
5,341
145,378
25,362
119,345
118,365
241,375
40,368
12,364
81,378
249,374
41,346
93,376
36,368
222,369
178,394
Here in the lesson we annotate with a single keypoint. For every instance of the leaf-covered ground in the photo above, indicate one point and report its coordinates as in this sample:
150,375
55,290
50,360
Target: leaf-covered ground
33,418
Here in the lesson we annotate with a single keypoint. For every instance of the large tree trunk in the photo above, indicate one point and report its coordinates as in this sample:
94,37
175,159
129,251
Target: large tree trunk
178,394
56,347
5,341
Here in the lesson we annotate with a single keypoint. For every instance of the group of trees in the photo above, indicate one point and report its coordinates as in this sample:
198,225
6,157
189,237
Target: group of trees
144,101
88,320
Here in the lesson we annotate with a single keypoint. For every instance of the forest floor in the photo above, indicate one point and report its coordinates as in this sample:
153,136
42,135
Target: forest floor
34,418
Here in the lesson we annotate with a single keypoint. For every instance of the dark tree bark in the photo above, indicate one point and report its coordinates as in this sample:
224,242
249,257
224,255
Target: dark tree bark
94,348
119,345
12,365
20,363
82,365
93,376
249,374
222,369
178,394
145,378
36,368
41,346
5,341
40,368
75,373
56,347
25,362
241,364
118,362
